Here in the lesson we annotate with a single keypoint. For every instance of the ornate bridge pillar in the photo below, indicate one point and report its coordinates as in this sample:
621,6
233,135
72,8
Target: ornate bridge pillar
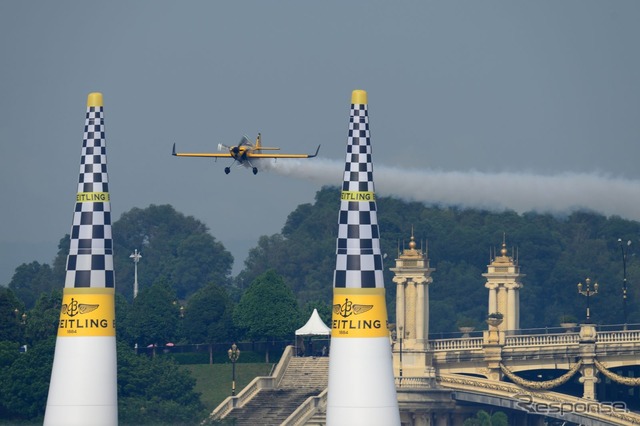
503,282
589,379
493,358
589,372
412,278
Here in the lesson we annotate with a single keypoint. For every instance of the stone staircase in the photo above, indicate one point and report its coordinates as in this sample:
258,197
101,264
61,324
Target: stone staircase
270,401
306,372
269,407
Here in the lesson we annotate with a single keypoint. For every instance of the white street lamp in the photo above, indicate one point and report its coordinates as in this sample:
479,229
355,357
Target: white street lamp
136,258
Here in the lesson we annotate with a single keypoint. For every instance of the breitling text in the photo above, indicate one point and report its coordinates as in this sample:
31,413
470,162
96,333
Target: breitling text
357,196
346,324
72,324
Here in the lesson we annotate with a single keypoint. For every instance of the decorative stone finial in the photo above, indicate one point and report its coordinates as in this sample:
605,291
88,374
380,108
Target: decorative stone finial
412,243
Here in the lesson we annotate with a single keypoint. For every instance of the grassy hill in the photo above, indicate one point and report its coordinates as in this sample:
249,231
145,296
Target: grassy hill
213,381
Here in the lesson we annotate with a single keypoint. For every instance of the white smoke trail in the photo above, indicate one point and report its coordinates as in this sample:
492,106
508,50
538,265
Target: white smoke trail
520,192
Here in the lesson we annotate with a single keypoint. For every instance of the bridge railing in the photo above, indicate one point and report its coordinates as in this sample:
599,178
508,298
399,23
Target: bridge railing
624,336
416,383
560,339
538,330
456,344
538,337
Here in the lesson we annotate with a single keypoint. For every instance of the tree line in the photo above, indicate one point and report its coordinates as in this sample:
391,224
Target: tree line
554,252
151,390
187,293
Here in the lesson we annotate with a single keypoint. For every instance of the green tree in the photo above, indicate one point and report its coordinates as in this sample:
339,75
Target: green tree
26,375
41,322
483,418
269,251
554,253
59,267
11,311
25,383
124,328
208,317
462,299
30,280
324,310
268,309
9,353
150,391
304,254
175,247
155,391
153,318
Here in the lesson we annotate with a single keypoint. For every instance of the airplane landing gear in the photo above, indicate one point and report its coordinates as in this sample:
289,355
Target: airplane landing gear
227,170
255,170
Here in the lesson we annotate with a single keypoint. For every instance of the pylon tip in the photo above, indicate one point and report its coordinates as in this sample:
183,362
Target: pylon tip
94,99
359,97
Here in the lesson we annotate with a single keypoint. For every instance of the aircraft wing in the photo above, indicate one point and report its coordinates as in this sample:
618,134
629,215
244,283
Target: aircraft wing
263,155
199,154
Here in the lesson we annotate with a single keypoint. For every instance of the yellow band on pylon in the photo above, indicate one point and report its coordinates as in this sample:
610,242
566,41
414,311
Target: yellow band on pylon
359,312
92,197
87,312
359,97
357,196
94,99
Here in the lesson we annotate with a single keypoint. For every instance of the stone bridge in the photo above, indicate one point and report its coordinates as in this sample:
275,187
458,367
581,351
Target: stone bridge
586,375
529,376
438,378
434,402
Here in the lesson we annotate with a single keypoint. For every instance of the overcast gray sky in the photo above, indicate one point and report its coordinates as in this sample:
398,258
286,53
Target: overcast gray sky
498,104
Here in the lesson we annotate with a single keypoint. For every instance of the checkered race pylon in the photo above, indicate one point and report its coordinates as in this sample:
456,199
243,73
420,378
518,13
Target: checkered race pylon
90,260
359,259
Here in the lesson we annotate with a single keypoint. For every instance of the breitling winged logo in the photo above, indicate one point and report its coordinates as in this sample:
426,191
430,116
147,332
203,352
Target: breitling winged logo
74,308
348,308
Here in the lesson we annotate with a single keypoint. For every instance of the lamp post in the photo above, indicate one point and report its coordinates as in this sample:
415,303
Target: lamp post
136,258
234,354
588,293
624,279
401,329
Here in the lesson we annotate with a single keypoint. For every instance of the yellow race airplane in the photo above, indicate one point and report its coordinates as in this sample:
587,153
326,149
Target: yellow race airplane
243,153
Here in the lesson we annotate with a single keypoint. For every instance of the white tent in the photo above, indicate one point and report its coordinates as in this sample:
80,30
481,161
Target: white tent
314,326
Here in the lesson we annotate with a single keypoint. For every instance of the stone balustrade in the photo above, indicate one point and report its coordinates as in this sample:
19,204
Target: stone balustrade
618,336
456,344
535,340
563,339
415,382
